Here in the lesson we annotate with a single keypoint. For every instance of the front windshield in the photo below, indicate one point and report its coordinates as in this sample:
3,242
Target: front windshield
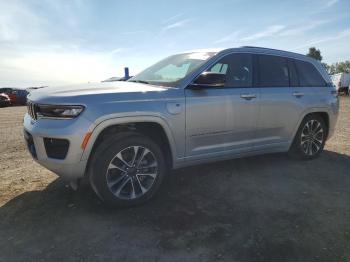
173,69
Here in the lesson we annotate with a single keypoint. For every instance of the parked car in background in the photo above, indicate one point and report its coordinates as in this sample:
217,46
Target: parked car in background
4,100
10,92
21,96
16,95
190,108
341,82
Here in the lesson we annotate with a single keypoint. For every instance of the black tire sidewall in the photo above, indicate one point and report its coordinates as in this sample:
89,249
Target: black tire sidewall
106,151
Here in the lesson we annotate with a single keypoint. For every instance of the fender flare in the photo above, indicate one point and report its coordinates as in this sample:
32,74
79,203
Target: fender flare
307,112
98,128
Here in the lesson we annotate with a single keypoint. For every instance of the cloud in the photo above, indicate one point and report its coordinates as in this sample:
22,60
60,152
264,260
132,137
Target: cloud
6,33
178,24
172,18
116,51
322,6
229,38
283,30
47,68
301,29
335,37
269,31
136,32
329,3
32,53
17,23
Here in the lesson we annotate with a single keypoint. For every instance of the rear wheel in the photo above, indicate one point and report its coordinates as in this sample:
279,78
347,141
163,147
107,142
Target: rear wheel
310,138
127,170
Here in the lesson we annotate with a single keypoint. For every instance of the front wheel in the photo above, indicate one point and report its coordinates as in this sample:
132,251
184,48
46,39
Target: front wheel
310,138
127,170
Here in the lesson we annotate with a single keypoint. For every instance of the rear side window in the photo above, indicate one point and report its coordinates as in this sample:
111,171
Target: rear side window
272,71
308,74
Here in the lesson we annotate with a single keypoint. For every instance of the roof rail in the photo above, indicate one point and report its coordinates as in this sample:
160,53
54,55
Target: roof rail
266,48
272,49
249,46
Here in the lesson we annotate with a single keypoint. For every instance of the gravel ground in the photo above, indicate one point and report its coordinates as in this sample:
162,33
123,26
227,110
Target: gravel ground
265,208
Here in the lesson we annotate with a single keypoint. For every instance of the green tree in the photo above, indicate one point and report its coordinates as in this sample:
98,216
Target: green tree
343,67
339,67
332,69
315,53
328,67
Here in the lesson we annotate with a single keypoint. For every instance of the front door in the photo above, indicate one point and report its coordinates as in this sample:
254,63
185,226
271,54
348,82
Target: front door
222,120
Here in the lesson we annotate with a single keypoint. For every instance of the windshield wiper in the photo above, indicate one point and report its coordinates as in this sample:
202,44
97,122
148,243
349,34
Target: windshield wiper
139,81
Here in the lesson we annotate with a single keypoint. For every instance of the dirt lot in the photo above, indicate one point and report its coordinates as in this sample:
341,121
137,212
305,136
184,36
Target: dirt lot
266,208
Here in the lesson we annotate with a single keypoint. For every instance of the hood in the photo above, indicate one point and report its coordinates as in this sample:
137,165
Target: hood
97,88
109,90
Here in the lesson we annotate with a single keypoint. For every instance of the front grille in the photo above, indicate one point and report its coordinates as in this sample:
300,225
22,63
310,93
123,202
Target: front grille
32,110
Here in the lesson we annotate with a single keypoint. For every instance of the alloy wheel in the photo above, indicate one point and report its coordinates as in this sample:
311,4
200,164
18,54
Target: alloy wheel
312,137
132,172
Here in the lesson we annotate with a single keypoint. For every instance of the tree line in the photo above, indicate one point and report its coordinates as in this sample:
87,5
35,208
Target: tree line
338,67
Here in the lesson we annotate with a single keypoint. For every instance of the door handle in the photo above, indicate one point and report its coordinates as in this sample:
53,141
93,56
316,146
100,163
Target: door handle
298,94
248,96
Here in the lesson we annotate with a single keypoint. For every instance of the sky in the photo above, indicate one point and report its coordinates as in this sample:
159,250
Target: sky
59,42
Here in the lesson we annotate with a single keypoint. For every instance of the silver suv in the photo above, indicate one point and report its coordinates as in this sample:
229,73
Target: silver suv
187,109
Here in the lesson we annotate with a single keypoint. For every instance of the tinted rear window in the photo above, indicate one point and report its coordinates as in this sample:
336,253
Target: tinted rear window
308,74
273,71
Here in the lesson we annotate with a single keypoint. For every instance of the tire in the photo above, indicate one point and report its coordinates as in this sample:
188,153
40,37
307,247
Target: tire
122,178
310,139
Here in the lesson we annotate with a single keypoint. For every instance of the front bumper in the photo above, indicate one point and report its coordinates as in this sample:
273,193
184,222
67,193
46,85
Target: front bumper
36,132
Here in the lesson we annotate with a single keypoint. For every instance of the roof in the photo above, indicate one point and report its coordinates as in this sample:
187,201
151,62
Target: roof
250,48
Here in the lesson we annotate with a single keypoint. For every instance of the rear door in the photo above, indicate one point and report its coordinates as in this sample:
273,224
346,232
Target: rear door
279,109
288,88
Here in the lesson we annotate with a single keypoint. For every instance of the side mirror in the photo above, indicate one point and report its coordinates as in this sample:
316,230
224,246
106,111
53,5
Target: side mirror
209,79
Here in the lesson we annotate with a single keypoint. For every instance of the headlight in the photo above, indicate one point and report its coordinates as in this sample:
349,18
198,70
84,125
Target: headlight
58,111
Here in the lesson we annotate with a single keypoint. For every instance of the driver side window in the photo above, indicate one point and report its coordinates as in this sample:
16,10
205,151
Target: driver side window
219,68
237,68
